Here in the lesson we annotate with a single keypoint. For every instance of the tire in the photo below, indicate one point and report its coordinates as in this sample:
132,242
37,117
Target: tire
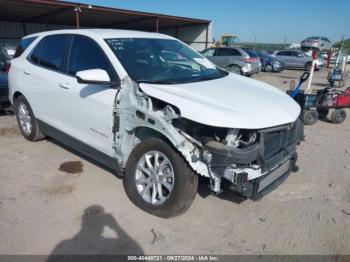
308,66
26,120
322,113
268,68
338,116
137,180
310,117
234,69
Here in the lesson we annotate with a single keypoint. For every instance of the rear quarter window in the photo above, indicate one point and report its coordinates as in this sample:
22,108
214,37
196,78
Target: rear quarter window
250,52
23,46
51,52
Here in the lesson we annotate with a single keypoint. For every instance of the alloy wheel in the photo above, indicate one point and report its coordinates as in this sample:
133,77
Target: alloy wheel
154,177
25,119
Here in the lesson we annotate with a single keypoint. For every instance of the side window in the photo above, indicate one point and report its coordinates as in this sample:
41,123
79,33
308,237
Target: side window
296,54
23,46
51,52
86,54
209,52
234,52
284,53
223,52
34,57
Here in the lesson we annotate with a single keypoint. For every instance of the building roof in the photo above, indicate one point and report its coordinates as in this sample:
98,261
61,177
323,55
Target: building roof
63,13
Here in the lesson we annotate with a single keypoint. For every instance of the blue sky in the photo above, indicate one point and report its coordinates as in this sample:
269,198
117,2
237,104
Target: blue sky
267,20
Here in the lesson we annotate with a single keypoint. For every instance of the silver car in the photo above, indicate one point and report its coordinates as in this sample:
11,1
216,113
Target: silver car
234,59
294,59
316,43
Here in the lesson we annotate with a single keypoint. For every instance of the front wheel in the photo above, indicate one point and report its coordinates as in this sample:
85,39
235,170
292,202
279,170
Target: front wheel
158,180
310,117
268,68
26,120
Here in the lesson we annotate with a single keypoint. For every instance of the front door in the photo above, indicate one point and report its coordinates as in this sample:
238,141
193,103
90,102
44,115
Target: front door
88,108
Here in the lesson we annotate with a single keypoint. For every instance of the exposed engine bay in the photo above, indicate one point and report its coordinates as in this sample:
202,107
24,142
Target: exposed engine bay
249,160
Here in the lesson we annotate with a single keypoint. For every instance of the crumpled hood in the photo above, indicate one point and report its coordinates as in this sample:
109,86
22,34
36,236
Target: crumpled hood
232,102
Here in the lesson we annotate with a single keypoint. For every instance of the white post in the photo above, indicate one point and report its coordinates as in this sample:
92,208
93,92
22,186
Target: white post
308,89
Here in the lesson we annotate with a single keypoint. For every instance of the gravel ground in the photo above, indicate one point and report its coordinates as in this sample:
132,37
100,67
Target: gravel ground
54,202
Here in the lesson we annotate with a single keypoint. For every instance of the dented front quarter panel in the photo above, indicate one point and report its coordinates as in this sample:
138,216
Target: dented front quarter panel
135,111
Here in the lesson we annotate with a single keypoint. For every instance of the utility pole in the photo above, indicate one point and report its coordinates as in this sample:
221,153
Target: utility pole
77,17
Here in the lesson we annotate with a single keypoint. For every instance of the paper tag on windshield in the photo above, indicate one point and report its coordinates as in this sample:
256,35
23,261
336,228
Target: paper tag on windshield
205,63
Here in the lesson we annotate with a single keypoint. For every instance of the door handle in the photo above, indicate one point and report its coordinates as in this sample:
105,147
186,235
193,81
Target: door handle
64,85
27,72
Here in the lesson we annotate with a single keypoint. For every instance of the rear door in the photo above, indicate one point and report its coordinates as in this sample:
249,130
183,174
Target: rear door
285,57
43,71
225,57
87,109
299,59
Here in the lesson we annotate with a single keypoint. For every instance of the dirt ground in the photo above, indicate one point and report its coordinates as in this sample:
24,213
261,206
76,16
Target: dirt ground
54,202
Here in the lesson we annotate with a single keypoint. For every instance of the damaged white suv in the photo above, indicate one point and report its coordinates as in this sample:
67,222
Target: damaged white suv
156,112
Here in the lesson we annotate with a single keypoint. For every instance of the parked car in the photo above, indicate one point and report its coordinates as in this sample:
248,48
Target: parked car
296,59
113,96
269,63
5,57
233,59
253,55
335,57
316,43
320,61
4,92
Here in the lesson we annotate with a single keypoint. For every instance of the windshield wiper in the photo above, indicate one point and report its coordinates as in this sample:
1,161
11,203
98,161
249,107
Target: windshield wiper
160,82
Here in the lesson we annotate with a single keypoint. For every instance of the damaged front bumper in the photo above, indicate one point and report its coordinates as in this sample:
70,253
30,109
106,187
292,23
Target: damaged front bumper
259,168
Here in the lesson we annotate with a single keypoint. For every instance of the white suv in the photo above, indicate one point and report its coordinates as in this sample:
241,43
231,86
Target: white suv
156,112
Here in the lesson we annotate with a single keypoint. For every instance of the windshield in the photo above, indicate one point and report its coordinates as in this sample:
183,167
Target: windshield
163,61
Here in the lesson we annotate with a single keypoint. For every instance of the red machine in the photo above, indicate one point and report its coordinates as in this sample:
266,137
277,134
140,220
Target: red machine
342,99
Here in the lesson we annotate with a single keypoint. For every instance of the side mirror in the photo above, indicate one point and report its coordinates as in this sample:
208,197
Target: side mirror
94,77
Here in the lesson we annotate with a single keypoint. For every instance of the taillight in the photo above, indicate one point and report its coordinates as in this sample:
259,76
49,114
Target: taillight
7,67
250,59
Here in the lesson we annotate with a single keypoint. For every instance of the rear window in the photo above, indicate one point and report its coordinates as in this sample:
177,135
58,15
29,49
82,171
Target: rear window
313,38
228,52
23,46
250,52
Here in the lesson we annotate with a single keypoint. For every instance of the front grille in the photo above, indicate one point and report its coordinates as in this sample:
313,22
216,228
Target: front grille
278,143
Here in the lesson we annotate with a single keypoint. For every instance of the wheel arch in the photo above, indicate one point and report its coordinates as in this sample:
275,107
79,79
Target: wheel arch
182,146
16,95
143,132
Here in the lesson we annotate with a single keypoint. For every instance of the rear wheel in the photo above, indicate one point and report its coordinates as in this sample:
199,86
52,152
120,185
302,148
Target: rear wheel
338,116
268,68
310,117
308,66
26,120
234,69
158,180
